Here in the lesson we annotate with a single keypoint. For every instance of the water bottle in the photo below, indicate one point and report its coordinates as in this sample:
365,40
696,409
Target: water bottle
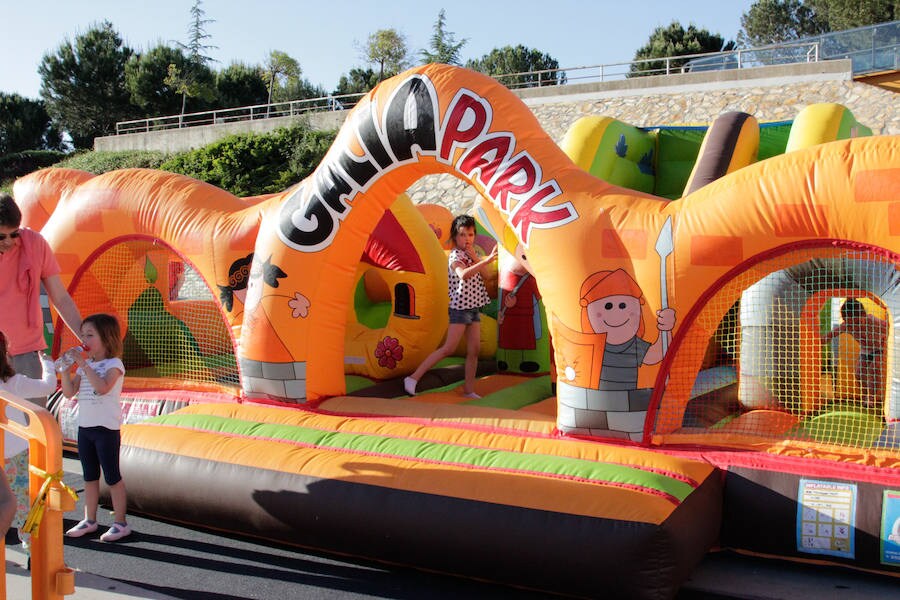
67,359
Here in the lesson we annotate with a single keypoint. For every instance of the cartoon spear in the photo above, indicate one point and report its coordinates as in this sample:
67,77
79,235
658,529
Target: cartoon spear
665,245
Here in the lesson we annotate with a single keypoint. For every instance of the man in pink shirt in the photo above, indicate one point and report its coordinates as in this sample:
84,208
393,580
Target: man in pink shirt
27,261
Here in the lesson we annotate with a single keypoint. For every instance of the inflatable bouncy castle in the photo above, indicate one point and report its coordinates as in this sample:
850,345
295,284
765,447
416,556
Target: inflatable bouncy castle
704,356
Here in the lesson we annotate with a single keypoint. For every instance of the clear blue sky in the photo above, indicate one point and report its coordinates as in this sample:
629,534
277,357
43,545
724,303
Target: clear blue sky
324,35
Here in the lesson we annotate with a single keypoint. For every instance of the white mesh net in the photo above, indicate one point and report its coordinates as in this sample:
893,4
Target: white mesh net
174,331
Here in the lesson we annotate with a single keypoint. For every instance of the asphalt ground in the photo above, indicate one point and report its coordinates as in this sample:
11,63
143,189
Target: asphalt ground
189,563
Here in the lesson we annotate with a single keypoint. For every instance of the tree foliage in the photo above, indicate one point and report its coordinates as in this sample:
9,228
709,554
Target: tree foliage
196,48
675,40
193,81
847,14
387,49
357,81
25,125
443,48
83,84
516,67
145,76
301,89
776,21
194,78
239,84
280,71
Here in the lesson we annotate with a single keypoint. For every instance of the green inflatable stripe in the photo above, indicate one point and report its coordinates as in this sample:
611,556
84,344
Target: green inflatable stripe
517,396
434,451
773,139
374,315
678,151
356,382
849,127
842,426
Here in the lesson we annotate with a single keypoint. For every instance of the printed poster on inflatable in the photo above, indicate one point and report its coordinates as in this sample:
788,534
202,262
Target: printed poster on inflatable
826,518
890,528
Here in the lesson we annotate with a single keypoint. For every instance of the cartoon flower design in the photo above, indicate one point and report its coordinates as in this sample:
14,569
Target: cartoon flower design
299,305
389,352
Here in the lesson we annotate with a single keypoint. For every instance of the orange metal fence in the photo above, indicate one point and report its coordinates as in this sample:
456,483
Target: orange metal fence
50,577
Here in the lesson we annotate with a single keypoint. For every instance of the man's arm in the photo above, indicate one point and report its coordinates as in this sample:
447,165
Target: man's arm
63,303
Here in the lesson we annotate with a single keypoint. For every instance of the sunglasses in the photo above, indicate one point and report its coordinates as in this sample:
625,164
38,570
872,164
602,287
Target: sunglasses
12,235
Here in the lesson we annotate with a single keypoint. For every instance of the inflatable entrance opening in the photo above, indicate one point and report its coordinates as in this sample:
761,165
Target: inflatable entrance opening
772,354
175,335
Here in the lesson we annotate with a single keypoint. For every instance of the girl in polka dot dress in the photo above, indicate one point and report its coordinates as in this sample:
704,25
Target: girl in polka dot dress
467,296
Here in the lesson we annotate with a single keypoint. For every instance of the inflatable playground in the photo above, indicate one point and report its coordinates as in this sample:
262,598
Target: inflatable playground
266,340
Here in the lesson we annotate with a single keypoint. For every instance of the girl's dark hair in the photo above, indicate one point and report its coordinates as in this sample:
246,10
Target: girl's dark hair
109,332
460,222
852,308
6,369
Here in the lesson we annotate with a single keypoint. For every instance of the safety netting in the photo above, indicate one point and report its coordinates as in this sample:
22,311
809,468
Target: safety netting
174,333
795,347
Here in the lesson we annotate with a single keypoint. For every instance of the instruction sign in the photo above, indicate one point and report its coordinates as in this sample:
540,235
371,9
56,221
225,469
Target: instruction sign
826,518
890,528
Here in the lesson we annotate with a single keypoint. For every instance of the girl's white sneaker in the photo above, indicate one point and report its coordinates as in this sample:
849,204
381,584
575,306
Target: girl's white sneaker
116,532
83,527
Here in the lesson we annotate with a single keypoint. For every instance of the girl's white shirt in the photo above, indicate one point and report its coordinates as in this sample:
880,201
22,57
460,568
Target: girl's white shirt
95,409
26,387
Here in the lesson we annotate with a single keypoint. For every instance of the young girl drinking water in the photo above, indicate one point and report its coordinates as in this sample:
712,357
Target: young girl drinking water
467,296
97,384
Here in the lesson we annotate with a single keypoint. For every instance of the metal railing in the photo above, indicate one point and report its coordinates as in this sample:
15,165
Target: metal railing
707,61
549,77
242,113
871,48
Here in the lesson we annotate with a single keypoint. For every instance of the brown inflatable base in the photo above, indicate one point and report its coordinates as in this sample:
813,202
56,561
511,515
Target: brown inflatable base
760,516
535,549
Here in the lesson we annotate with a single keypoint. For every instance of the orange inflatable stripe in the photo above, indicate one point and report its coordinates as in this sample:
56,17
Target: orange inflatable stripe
502,487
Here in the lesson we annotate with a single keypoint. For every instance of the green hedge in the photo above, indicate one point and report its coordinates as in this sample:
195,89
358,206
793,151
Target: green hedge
101,162
254,164
245,165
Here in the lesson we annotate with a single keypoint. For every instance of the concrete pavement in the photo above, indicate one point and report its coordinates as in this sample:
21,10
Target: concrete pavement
731,575
87,585
722,575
